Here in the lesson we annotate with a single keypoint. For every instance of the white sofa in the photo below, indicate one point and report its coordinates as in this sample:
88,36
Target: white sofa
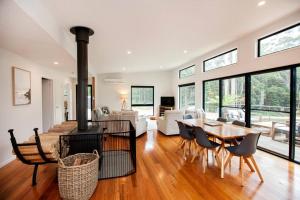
139,123
167,124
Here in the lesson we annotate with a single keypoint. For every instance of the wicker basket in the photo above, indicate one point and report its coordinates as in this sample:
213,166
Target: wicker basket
78,182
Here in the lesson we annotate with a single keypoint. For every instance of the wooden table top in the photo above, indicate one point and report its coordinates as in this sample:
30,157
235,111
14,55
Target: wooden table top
221,131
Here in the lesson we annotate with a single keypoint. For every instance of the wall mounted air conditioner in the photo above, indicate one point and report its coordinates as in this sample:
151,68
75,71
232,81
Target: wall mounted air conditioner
115,81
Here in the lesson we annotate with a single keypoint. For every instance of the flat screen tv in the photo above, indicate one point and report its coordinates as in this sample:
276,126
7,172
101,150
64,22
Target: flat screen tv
167,101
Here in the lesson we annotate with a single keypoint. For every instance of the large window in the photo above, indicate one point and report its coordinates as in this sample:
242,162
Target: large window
297,128
187,96
186,72
142,99
268,101
281,40
221,60
270,109
211,99
233,99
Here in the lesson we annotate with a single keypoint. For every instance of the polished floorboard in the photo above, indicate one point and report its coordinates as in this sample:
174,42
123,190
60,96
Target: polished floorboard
162,173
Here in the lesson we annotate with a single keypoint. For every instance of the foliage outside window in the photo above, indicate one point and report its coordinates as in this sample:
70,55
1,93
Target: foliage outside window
270,107
234,92
221,60
211,101
267,101
233,101
271,91
142,99
186,72
285,39
187,96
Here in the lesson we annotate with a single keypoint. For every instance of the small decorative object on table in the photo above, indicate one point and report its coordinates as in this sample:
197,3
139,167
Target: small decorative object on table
212,123
78,175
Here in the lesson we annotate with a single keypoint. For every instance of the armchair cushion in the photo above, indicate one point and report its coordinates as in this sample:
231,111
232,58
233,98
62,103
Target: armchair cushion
167,124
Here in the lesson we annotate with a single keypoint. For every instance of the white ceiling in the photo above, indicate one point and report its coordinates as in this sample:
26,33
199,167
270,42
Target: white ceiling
155,31
20,34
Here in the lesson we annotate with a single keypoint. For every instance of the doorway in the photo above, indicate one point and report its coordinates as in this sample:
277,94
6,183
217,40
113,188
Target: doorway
47,103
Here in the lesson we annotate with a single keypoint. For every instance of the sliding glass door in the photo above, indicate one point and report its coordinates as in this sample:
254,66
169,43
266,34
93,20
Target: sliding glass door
233,99
211,99
297,128
270,109
187,96
267,100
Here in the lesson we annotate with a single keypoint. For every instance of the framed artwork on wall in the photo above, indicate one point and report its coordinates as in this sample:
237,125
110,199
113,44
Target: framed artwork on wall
21,82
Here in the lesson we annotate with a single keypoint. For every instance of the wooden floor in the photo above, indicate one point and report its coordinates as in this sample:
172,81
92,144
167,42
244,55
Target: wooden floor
162,173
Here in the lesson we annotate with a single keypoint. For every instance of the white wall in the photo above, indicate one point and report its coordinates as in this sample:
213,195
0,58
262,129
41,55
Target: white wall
26,117
108,94
247,58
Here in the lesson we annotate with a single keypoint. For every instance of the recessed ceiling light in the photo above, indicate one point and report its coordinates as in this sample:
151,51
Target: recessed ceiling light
55,63
129,52
124,68
261,3
185,51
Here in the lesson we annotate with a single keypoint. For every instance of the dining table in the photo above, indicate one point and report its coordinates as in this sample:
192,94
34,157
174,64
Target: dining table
223,132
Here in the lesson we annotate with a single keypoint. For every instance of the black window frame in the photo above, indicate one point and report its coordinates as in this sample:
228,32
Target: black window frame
179,73
203,96
185,85
141,105
272,34
235,49
293,95
221,92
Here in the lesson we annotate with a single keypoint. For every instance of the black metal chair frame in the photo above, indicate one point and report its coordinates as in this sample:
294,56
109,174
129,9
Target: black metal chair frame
21,157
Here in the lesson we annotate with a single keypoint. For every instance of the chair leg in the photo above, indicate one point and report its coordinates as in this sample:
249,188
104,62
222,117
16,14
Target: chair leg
190,147
34,174
204,160
242,170
240,162
249,164
227,160
180,142
181,145
219,149
216,157
184,149
207,156
256,168
196,153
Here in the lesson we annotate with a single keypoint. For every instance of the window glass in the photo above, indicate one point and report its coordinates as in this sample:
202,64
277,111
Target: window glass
142,99
141,96
280,41
187,72
270,109
187,96
233,100
221,60
211,101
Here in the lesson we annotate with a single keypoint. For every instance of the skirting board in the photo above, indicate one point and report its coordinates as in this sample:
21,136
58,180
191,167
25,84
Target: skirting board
2,164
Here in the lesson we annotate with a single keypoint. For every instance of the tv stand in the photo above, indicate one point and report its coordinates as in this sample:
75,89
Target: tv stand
162,109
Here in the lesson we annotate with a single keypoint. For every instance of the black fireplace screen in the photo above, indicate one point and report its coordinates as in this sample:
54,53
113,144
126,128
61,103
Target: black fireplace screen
115,141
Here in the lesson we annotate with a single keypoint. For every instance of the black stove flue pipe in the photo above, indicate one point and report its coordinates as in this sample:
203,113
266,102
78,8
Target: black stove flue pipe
82,38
